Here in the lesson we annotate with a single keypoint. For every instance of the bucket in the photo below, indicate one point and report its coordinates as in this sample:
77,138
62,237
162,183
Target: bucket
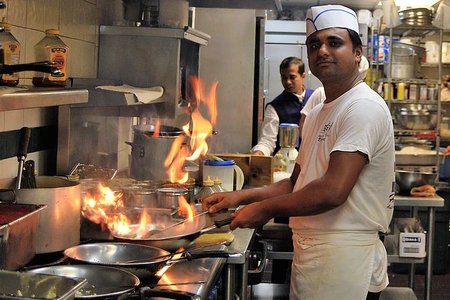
227,171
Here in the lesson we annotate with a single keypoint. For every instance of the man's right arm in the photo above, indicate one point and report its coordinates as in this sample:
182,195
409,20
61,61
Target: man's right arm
269,132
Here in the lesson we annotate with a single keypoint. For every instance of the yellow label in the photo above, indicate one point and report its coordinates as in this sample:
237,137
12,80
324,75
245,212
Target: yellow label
11,56
58,56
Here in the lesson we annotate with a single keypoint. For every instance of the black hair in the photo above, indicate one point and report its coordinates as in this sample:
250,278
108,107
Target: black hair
292,60
356,40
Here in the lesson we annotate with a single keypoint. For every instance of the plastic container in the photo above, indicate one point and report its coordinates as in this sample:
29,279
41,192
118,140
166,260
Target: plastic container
10,54
52,48
225,170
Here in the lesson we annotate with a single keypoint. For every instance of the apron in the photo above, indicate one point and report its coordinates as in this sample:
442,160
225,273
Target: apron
342,266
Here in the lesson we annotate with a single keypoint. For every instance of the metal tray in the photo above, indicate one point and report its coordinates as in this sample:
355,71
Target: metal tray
28,285
18,234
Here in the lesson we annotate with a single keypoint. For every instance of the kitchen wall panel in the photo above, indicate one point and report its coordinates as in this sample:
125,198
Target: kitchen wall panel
229,59
77,21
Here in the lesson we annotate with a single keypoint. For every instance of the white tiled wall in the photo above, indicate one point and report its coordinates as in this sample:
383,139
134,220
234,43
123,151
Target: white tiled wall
78,22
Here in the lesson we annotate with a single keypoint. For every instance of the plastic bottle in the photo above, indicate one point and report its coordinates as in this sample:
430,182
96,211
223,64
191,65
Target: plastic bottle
207,189
52,48
218,185
9,54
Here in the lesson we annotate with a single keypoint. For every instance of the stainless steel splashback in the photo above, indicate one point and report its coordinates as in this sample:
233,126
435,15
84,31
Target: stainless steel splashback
96,132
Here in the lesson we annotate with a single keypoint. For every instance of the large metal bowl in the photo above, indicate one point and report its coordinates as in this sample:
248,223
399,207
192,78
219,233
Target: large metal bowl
417,118
407,179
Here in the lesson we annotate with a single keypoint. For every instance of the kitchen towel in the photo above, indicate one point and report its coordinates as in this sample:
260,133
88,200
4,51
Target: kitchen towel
143,95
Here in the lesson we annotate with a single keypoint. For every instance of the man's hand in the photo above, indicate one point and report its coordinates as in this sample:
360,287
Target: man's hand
251,216
219,201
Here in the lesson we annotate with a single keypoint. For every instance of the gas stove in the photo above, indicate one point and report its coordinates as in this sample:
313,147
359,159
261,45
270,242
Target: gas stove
196,279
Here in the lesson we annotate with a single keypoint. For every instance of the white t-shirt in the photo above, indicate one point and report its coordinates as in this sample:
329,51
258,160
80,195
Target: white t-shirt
359,120
318,96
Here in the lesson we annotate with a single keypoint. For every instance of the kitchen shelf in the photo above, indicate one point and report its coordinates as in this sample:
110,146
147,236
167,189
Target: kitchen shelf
405,30
32,97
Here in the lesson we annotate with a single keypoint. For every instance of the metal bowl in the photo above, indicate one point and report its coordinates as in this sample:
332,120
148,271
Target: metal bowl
407,179
413,118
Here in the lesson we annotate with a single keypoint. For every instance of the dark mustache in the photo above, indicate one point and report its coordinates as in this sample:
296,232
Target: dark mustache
325,60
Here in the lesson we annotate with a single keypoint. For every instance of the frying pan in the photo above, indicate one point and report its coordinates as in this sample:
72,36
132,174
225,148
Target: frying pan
102,281
127,255
176,237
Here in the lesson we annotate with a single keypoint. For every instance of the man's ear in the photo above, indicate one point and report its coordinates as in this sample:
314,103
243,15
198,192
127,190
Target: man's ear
358,54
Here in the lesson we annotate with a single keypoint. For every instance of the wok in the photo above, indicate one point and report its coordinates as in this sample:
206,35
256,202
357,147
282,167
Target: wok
127,255
175,237
102,281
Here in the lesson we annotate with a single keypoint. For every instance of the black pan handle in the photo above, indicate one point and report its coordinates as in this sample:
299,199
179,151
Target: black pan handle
24,139
43,66
148,293
223,222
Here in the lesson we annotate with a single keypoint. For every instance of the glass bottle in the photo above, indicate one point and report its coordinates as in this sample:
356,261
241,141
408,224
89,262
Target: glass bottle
218,185
207,189
9,54
51,48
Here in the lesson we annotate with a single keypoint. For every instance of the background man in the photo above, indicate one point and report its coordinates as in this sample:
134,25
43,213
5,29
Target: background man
285,108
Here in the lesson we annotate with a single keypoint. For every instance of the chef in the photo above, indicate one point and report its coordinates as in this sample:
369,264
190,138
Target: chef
340,194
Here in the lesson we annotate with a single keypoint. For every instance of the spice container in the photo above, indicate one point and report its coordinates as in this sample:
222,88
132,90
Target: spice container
401,91
9,54
51,48
207,189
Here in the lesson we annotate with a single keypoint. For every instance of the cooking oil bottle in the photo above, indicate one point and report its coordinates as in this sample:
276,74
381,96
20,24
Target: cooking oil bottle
51,48
9,53
207,189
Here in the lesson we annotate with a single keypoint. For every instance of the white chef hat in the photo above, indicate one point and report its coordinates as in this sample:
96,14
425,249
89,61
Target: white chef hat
329,16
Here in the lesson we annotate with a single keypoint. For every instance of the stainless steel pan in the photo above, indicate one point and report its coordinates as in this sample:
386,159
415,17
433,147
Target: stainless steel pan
102,281
127,255
176,237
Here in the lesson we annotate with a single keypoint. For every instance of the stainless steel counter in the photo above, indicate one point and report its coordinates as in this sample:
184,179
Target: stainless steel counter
31,97
199,276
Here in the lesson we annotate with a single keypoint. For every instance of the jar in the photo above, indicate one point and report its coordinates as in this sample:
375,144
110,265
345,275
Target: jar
400,91
218,188
51,48
206,190
9,54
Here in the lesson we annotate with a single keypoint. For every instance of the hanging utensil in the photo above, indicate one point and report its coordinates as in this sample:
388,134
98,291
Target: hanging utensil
24,139
28,178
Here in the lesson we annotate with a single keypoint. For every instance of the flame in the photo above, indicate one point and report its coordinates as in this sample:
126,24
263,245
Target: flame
198,130
157,130
99,203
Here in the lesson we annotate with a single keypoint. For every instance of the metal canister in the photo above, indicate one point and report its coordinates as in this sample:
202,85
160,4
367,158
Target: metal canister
169,197
431,93
288,135
413,92
423,92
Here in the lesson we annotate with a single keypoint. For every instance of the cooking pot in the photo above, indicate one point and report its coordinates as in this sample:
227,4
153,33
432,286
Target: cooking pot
405,60
148,152
59,224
